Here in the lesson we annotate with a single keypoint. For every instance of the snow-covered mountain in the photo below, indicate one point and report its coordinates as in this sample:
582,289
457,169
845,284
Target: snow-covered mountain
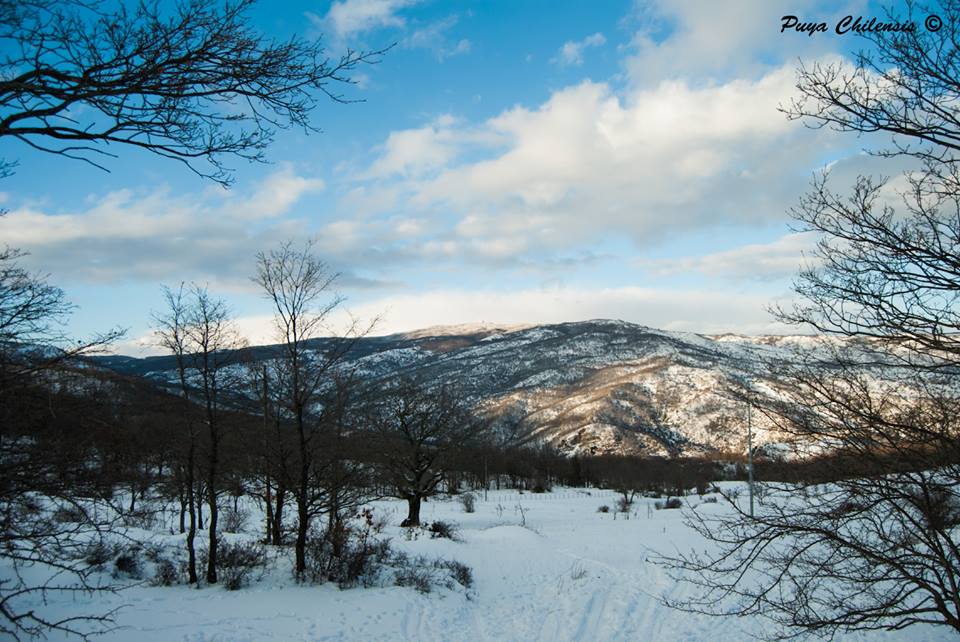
596,386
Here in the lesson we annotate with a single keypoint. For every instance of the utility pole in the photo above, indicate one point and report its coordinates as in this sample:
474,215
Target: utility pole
750,453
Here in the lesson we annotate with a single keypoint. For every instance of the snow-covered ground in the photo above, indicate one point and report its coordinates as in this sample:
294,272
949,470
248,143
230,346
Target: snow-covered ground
571,573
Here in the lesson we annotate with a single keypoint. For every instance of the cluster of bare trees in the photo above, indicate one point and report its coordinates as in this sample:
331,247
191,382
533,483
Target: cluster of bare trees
632,475
193,82
197,332
327,441
295,428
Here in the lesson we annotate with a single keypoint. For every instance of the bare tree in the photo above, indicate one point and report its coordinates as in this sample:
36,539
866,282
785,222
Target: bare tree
212,339
190,81
30,308
418,430
172,335
33,487
872,540
197,330
300,287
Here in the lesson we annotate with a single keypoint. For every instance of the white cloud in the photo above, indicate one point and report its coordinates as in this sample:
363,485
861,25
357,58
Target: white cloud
772,261
256,330
411,152
277,194
646,164
571,53
635,159
435,37
127,214
715,41
158,235
350,17
463,46
362,81
694,311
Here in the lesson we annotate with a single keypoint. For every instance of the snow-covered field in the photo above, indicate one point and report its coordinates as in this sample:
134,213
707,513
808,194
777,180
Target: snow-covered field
571,573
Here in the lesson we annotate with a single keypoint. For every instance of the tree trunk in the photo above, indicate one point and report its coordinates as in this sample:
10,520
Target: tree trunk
413,511
303,508
281,498
268,500
303,524
192,530
213,461
333,516
181,496
212,523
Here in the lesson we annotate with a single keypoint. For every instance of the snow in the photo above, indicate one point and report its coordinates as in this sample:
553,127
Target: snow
462,329
546,567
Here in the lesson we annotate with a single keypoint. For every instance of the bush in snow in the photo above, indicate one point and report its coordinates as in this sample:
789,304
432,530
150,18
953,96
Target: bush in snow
145,519
603,509
577,571
69,514
232,520
376,524
424,574
443,530
99,553
347,555
672,502
127,564
460,572
415,576
165,573
238,563
468,501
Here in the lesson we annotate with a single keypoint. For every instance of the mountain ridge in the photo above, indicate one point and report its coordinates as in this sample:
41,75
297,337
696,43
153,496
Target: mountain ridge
597,386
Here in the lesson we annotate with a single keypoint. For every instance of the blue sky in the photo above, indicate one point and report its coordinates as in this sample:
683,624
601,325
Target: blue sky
511,162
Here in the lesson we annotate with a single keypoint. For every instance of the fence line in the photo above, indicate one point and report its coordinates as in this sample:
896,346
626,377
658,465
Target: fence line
513,495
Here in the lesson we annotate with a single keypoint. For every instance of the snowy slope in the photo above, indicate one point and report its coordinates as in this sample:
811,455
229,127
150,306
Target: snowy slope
596,386
571,574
